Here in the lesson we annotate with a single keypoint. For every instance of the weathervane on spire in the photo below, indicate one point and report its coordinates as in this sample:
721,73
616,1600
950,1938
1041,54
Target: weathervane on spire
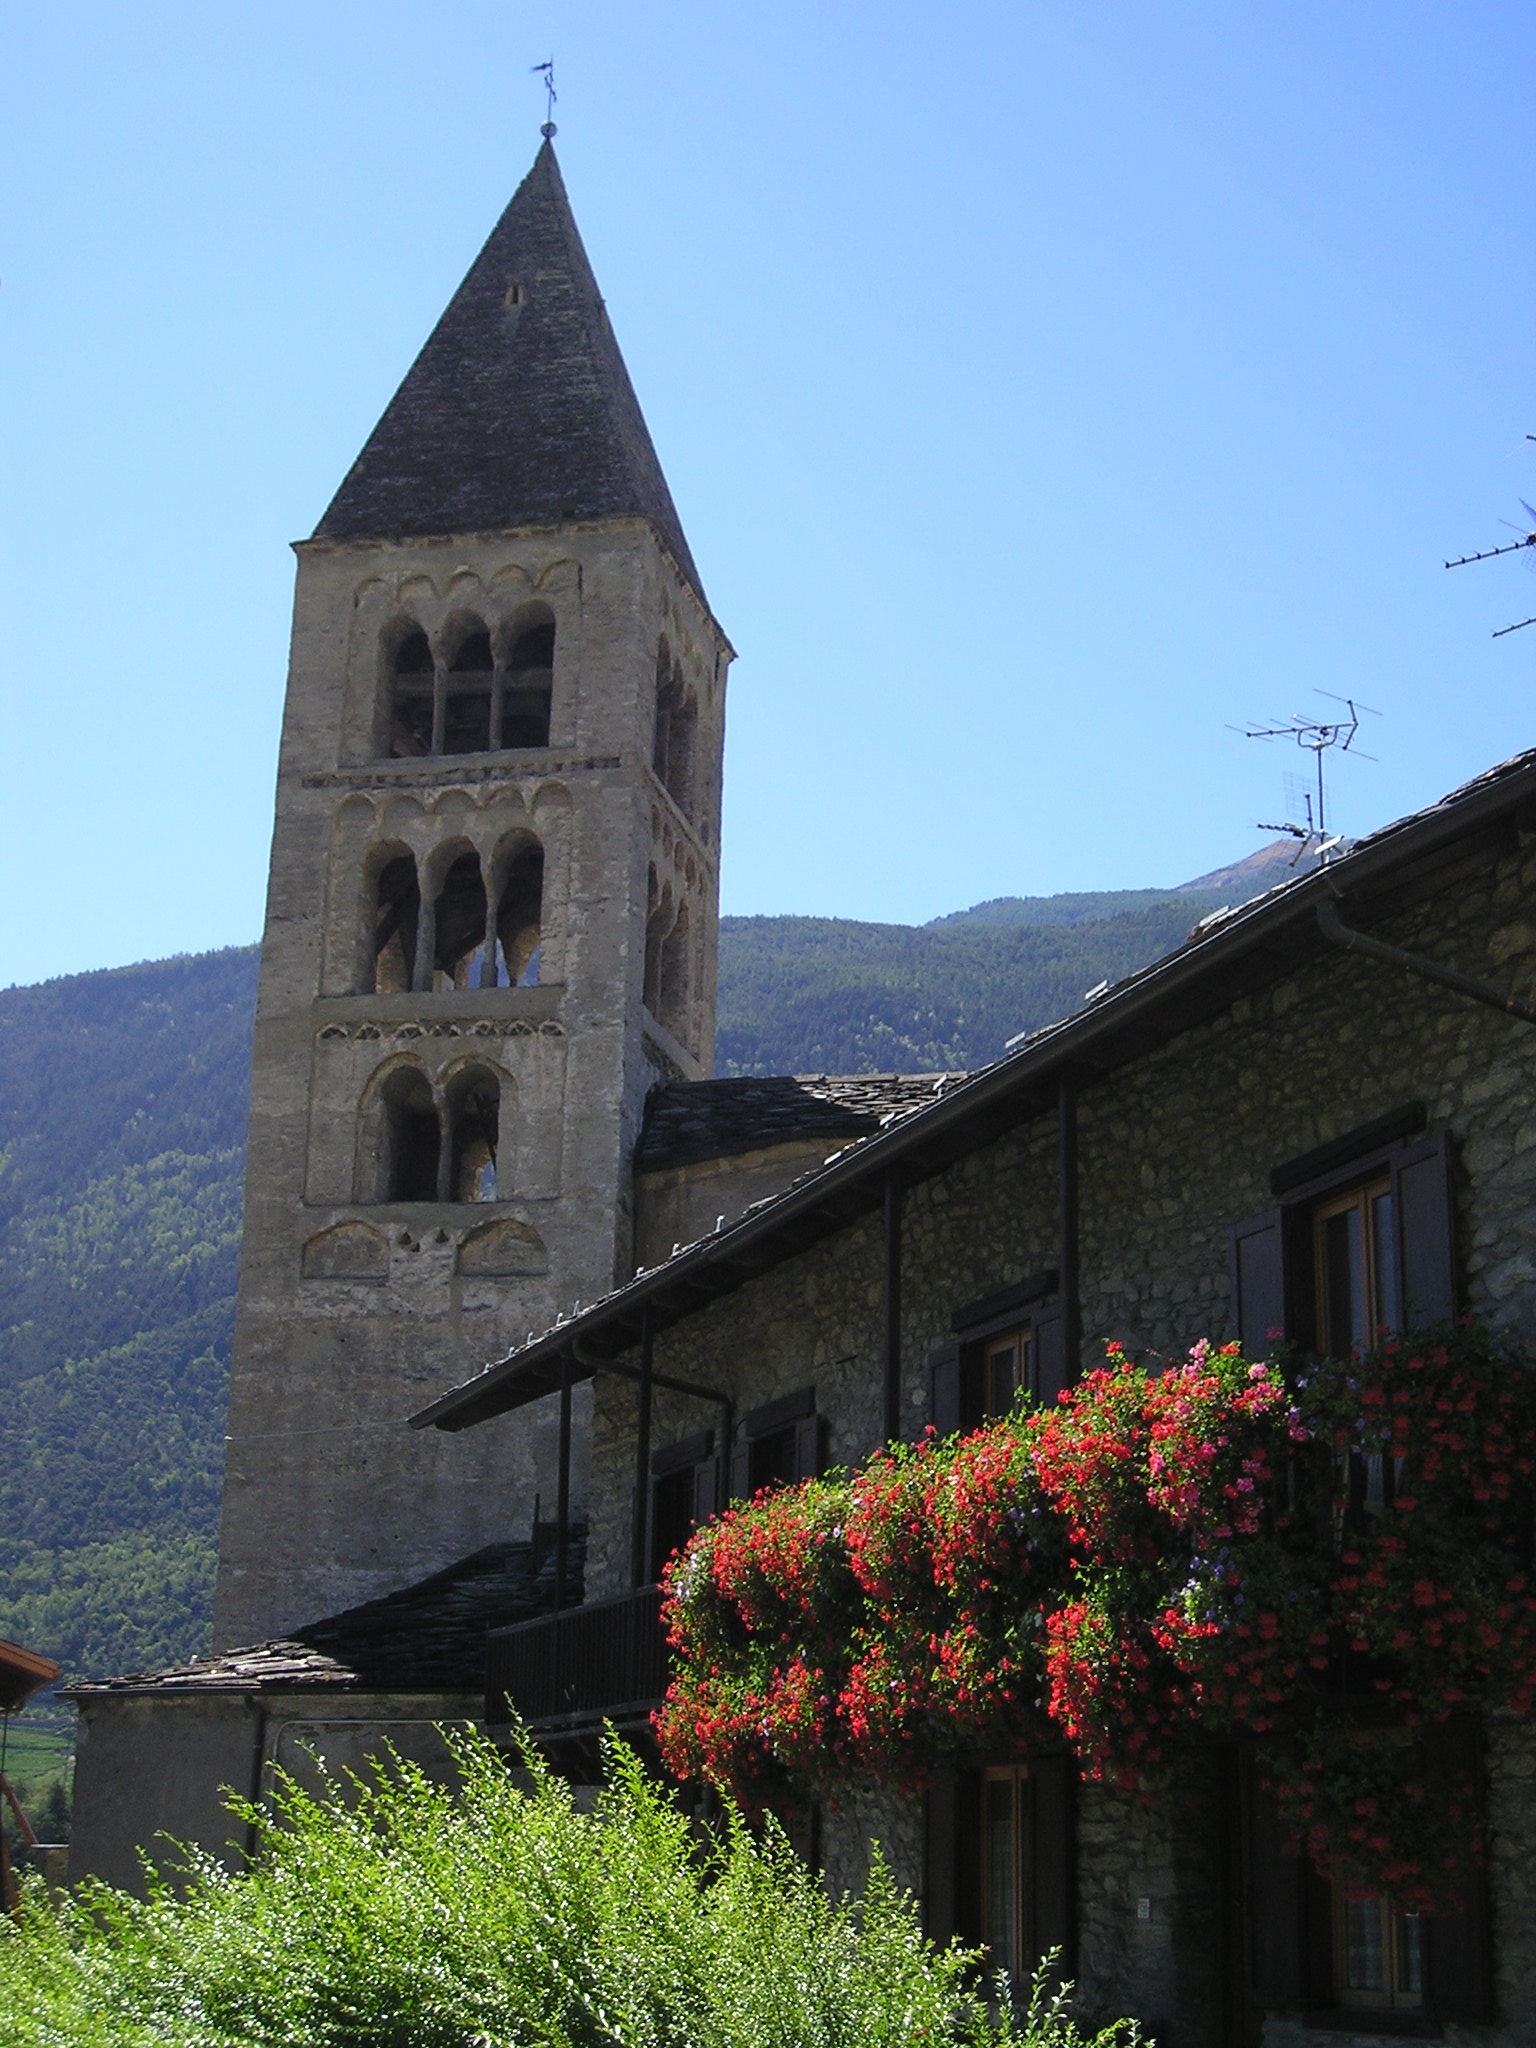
546,71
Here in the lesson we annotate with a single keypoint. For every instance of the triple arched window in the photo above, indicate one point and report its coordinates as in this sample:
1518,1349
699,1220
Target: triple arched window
476,924
475,691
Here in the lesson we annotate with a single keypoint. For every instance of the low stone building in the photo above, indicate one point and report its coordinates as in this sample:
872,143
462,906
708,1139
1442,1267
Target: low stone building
1163,1166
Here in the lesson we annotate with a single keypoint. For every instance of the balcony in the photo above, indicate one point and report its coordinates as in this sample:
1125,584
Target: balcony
603,1661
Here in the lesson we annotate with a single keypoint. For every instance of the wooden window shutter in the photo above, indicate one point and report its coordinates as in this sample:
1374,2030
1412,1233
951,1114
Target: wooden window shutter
1421,1186
1052,1781
1275,1892
944,1389
1048,1333
808,1436
940,1816
1258,1283
1460,1979
741,1470
706,1489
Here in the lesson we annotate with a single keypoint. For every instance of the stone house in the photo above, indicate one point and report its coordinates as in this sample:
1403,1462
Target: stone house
1316,1117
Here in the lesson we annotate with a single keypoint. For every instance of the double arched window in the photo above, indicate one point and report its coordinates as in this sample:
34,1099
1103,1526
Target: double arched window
418,1143
477,926
476,692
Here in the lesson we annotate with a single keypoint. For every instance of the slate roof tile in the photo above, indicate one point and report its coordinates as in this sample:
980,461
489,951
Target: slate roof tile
519,410
429,1637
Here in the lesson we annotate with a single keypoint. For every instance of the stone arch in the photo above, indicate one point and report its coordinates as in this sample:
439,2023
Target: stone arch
453,931
517,891
409,685
671,1009
503,1250
478,1098
391,920
468,685
526,675
400,1136
658,925
346,1251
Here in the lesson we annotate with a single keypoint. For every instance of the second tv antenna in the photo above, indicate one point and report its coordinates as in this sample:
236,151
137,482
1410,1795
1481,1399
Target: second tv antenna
1319,736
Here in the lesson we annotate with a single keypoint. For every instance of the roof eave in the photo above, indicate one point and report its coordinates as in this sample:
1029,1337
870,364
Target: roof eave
1070,1042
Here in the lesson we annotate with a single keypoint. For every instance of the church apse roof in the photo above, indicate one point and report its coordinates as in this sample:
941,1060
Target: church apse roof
519,410
690,1121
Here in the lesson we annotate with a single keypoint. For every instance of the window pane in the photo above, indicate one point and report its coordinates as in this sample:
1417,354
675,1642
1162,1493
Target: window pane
1001,1377
1344,1282
999,1850
1410,1955
1388,1304
1364,1958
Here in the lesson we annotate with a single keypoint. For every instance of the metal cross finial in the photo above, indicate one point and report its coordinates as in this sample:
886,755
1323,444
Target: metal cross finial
546,71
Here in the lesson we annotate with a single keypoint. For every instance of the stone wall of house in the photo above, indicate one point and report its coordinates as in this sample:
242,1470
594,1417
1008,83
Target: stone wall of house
1174,1150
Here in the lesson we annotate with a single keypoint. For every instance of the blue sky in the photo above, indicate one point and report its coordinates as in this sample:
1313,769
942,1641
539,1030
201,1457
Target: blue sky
1041,388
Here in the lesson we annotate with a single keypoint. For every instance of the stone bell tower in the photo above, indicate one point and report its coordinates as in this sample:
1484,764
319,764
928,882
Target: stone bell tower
491,925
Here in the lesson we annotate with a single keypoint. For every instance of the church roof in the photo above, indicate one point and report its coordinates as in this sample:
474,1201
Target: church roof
428,1637
519,410
689,1121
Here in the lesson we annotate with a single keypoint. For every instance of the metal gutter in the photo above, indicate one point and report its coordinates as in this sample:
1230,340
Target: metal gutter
1334,929
1035,1066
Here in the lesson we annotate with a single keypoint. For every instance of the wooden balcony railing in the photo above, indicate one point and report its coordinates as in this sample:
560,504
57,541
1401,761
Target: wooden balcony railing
603,1661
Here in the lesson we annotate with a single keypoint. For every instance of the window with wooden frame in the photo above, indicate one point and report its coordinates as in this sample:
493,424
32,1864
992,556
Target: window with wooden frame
685,1487
1006,1864
1378,1953
1310,1947
1007,1346
999,1862
1362,1239
780,1444
1354,1260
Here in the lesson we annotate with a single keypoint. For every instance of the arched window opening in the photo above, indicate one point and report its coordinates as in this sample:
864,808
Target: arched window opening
680,747
411,1138
662,730
467,712
519,916
459,924
672,975
412,697
527,686
396,913
672,746
474,1108
657,926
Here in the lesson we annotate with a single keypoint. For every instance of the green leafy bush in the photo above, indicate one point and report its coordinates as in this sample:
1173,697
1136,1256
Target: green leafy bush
401,1914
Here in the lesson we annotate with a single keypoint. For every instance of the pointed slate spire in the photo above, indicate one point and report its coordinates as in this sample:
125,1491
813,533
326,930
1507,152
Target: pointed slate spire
519,410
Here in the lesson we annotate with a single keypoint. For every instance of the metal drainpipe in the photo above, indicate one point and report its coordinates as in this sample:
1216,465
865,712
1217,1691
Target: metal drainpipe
563,1490
1335,930
642,1455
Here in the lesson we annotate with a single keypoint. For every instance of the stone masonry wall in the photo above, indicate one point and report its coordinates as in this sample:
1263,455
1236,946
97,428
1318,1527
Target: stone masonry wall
1174,1149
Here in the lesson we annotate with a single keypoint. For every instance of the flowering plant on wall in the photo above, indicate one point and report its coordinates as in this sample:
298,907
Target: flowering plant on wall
1326,1562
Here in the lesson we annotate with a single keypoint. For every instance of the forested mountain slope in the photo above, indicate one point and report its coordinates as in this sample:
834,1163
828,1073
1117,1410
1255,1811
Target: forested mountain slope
122,1123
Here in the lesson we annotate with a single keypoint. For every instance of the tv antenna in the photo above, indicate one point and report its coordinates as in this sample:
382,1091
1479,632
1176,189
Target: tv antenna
1319,736
546,71
1525,539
